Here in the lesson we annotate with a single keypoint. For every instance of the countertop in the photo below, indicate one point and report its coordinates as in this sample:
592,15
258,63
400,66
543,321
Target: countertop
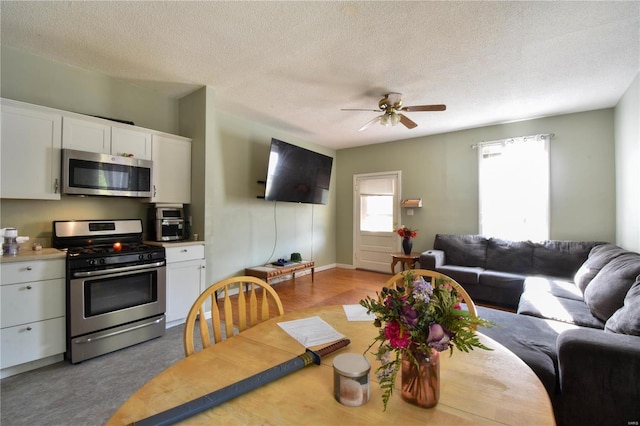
25,255
167,244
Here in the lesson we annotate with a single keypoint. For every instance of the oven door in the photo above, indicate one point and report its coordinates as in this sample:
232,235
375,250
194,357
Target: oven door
100,300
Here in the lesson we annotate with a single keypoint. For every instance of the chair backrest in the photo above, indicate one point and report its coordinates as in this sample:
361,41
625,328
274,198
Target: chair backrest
436,275
240,312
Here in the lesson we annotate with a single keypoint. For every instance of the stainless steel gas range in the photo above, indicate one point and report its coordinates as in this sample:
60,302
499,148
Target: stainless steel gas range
116,286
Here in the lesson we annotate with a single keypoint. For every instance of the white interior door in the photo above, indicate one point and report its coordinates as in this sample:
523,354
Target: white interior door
376,215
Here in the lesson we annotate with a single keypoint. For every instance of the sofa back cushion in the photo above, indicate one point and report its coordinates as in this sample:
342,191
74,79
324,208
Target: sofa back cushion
509,256
626,320
606,292
599,256
560,258
462,250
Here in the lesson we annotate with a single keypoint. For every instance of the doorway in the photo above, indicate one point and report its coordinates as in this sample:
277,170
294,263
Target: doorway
376,216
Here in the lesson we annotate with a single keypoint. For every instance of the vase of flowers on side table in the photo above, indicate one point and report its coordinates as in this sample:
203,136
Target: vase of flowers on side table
417,321
407,234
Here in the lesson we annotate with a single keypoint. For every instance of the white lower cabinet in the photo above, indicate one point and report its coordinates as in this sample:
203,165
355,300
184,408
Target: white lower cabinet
185,280
32,320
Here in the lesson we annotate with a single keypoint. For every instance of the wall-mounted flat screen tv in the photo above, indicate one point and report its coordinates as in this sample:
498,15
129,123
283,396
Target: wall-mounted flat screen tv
297,175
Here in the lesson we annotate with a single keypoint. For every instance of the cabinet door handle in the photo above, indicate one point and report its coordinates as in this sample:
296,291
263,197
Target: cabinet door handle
184,250
29,268
154,190
29,287
29,329
55,186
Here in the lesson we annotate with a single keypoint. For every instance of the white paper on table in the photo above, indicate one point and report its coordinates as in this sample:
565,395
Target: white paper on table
311,331
357,313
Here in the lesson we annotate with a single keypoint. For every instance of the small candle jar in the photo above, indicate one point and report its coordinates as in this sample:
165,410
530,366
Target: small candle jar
351,379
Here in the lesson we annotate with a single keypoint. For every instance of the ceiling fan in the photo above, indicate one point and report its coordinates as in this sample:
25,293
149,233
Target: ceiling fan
391,106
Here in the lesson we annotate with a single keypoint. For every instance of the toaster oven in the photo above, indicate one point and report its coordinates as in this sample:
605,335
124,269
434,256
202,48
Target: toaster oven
167,223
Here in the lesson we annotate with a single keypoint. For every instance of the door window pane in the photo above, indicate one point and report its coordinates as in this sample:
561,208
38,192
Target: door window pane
376,213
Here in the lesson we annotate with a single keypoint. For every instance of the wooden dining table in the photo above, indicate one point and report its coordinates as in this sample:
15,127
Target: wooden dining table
479,387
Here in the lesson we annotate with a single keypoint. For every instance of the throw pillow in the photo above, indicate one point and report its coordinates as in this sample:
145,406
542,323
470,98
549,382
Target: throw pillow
626,320
462,250
599,256
606,292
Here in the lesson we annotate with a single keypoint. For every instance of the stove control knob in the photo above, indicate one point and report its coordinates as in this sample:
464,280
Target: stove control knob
150,256
141,257
92,262
103,261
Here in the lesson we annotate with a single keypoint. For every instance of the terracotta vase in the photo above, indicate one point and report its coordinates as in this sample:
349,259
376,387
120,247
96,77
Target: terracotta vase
407,245
421,383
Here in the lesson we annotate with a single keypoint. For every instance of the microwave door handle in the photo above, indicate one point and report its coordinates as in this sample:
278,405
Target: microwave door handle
116,270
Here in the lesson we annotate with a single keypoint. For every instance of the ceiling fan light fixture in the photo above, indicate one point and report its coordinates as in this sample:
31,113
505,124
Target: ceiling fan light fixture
394,118
384,120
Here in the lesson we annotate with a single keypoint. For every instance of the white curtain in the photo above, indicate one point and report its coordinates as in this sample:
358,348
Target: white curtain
514,188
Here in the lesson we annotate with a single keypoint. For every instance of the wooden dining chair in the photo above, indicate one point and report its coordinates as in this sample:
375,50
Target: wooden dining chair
399,277
250,307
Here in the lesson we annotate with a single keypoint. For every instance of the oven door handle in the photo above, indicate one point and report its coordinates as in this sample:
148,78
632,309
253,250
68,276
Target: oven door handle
116,270
115,333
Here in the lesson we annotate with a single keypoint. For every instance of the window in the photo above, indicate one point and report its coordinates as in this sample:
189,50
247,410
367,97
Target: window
376,204
514,188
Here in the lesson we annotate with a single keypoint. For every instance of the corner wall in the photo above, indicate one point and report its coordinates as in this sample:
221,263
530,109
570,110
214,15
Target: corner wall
240,229
627,134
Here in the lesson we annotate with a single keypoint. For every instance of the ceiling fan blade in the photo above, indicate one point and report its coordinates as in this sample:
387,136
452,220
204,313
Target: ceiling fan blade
408,123
370,123
424,108
358,109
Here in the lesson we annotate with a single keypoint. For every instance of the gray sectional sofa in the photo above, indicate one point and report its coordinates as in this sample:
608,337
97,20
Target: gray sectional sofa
577,319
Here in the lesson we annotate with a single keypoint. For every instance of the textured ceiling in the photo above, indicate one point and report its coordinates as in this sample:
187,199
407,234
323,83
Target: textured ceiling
294,65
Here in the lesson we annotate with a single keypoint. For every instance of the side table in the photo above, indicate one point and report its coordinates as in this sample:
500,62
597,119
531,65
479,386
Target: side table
406,260
268,272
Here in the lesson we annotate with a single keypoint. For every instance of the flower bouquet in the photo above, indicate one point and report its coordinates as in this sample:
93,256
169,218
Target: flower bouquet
416,320
407,234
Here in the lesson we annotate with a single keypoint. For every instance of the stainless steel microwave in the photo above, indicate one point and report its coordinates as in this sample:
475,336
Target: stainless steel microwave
91,173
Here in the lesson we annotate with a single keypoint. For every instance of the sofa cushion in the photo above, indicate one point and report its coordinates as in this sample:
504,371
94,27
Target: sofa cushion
599,256
502,280
461,274
626,320
606,292
548,306
560,258
555,286
532,339
462,250
509,256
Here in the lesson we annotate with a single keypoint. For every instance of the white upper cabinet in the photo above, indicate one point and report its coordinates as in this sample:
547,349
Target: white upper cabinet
171,169
96,136
129,141
30,151
85,135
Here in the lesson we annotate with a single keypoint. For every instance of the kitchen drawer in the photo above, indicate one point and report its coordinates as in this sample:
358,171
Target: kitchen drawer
33,301
33,341
29,271
183,253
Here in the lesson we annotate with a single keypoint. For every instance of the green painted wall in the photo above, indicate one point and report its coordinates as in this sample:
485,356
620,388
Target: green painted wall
443,171
39,81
